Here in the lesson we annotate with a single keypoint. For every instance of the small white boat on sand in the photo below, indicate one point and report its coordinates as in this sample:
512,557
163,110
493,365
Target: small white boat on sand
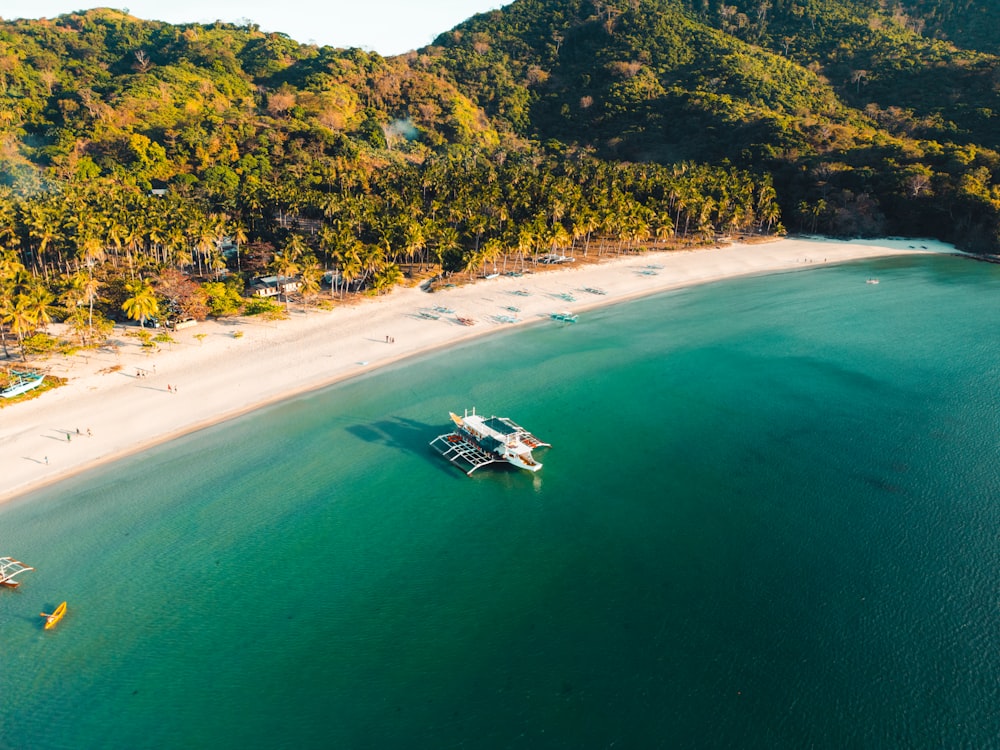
21,382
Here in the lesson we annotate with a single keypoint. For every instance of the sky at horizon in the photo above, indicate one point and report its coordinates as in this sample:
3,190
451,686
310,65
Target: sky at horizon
389,27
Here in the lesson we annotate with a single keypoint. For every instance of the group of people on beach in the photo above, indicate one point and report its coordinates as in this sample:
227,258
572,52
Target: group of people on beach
69,439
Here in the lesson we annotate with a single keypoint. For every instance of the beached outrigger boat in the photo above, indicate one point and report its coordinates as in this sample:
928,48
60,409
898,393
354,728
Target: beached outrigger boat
9,567
54,617
22,383
478,441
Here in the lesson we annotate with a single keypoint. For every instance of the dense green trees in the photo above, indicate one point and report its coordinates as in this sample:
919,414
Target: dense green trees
195,157
841,100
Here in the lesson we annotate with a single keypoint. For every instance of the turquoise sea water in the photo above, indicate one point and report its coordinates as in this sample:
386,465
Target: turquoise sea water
769,519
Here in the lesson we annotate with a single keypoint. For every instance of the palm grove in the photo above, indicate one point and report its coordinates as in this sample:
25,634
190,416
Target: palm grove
600,127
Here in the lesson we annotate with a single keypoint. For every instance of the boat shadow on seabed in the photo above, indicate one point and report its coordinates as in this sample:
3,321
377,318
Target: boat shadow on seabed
402,434
398,433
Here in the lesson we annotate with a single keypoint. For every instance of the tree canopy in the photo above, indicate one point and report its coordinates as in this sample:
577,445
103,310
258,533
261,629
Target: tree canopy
136,155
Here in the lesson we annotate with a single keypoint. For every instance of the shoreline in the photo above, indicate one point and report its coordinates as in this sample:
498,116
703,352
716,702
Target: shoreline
130,400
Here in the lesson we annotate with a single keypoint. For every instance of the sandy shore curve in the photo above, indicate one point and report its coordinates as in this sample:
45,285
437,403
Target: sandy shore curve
124,399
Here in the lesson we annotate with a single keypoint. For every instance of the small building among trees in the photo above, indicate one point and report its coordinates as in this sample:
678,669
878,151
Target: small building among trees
272,286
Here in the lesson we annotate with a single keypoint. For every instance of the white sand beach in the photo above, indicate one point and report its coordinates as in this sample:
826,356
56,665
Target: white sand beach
210,374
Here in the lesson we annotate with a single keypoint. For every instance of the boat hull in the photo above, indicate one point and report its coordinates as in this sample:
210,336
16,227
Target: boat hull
51,620
478,441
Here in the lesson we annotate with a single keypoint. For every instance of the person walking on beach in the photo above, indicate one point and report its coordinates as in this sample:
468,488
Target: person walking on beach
68,437
168,388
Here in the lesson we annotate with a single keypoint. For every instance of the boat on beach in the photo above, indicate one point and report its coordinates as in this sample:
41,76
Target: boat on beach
52,619
9,568
22,382
478,441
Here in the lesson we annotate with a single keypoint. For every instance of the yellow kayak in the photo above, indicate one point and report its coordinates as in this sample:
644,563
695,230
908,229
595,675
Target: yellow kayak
56,616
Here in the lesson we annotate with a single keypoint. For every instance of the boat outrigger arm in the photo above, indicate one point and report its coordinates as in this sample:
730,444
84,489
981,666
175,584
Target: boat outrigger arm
9,568
478,441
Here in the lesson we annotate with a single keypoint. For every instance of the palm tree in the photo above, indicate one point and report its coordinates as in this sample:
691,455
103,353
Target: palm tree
38,302
446,240
491,251
142,303
350,269
372,259
414,239
42,223
295,247
386,278
239,237
312,275
285,266
13,276
19,317
664,227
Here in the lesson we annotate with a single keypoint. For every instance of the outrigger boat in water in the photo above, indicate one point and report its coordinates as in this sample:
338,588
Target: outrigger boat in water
478,441
55,617
9,567
564,317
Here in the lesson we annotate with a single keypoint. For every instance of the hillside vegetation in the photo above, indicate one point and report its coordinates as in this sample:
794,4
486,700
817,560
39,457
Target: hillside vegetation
868,126
151,169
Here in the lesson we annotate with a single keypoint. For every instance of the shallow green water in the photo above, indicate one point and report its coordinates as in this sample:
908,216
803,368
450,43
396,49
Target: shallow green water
769,519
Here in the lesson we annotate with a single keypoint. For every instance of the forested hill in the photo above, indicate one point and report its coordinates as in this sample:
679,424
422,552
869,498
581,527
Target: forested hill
135,155
868,122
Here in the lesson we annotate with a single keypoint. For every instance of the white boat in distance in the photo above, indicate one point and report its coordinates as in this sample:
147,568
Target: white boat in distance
478,441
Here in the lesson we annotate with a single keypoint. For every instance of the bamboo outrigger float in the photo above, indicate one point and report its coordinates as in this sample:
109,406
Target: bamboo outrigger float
478,441
9,568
